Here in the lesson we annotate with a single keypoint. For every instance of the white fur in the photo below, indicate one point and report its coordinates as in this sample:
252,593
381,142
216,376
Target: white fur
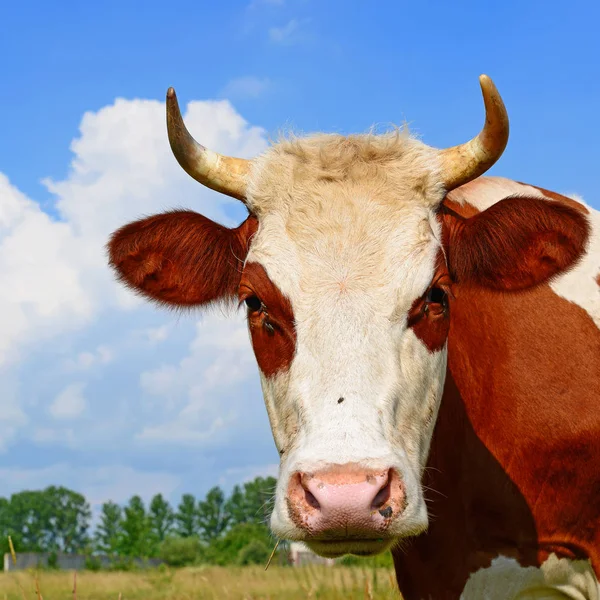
506,579
366,253
352,342
580,285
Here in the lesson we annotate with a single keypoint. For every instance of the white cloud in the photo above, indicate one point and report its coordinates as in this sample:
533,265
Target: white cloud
248,86
86,360
98,485
290,33
156,335
60,306
12,415
118,483
70,403
42,291
54,273
247,473
191,392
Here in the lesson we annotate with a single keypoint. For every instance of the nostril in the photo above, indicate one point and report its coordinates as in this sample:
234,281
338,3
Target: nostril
311,500
383,495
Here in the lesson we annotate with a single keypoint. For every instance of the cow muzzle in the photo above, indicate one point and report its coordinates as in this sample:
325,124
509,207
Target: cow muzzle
346,508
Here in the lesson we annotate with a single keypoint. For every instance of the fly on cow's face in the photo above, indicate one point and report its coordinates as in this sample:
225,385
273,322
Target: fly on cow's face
255,305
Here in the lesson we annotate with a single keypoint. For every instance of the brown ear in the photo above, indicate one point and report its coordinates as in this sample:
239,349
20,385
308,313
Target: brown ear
515,244
181,258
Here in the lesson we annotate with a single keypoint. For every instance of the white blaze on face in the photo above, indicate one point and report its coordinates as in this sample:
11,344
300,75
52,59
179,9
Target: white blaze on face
352,253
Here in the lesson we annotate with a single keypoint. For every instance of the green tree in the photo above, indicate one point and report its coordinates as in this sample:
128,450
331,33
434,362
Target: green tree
161,517
68,520
212,518
5,525
253,503
179,551
136,536
109,532
254,553
225,550
260,495
187,516
29,516
53,519
235,506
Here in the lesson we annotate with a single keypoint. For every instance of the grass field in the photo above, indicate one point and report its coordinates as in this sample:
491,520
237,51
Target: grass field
195,583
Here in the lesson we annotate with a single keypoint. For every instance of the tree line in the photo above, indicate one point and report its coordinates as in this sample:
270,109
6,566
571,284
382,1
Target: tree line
216,529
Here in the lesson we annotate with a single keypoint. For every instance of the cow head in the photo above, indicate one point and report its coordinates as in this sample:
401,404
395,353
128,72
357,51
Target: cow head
347,265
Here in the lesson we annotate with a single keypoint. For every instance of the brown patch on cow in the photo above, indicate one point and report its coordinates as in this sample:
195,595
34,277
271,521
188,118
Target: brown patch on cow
181,258
514,244
430,321
562,199
598,279
514,466
272,328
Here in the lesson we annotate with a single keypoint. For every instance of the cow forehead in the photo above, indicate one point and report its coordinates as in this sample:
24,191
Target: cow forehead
298,175
347,215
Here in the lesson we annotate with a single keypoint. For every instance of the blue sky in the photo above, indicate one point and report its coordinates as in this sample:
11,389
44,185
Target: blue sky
113,397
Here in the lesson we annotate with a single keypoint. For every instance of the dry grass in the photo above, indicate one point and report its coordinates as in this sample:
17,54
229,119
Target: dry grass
210,583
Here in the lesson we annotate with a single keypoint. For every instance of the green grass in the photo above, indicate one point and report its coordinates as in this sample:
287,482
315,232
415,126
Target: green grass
210,583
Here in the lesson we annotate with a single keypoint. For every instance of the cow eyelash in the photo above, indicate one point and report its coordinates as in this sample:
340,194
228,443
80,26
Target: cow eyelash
254,304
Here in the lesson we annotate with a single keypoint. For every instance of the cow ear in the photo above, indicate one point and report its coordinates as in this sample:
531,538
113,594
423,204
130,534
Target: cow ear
515,244
181,258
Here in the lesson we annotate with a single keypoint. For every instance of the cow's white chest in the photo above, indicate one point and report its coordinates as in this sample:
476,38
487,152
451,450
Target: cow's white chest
556,579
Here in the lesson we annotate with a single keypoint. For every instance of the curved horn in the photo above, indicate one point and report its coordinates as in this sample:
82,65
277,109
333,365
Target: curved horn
461,164
224,174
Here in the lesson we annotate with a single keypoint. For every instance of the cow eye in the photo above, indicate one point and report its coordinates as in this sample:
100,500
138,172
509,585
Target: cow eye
253,303
436,295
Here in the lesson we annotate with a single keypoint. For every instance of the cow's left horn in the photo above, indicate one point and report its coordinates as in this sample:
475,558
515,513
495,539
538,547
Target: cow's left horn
224,174
461,164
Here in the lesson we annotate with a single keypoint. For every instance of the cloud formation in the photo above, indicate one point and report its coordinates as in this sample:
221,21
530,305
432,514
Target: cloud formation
293,32
94,379
70,403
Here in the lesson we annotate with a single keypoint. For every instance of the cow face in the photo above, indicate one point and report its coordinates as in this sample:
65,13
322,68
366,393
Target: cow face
347,266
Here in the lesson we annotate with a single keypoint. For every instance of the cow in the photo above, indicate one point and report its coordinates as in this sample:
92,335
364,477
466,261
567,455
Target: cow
428,344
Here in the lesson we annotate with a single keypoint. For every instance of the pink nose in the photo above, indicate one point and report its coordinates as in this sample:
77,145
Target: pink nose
346,501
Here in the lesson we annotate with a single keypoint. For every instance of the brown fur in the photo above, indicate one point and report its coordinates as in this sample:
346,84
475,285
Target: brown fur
272,329
514,467
181,258
515,244
430,322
